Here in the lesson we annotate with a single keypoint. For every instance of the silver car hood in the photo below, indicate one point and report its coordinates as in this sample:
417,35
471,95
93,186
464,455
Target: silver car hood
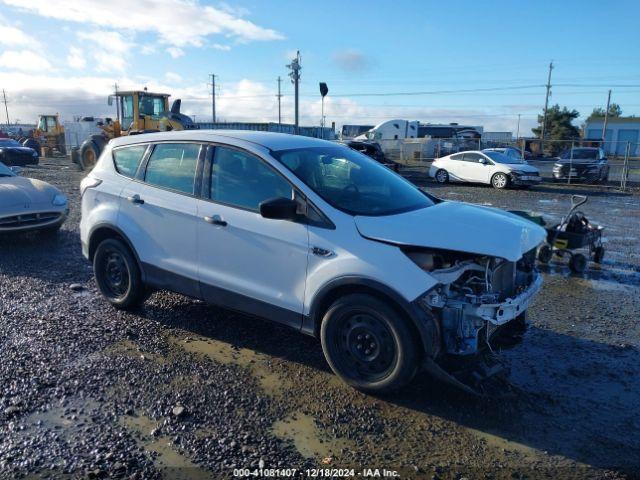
19,193
457,226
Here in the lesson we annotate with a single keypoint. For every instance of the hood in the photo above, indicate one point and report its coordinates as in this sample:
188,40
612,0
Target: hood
457,226
17,192
28,150
522,167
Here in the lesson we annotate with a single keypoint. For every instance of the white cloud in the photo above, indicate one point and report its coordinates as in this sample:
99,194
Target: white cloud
172,77
110,49
14,37
224,48
148,49
176,22
24,60
175,52
76,59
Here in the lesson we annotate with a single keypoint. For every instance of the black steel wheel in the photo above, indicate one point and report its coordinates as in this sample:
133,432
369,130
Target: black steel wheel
118,275
368,344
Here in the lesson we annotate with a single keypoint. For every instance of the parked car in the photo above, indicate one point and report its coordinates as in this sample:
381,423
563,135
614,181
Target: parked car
311,234
510,152
373,150
493,168
14,154
27,204
583,164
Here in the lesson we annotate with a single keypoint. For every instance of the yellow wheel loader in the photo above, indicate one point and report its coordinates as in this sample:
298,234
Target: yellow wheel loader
48,134
138,112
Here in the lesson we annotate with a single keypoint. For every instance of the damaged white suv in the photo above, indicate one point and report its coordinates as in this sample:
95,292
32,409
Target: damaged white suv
314,235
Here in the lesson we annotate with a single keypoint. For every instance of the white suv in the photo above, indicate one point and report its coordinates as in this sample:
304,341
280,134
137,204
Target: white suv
310,234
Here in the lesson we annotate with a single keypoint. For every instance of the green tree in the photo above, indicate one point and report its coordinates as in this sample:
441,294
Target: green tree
614,111
559,129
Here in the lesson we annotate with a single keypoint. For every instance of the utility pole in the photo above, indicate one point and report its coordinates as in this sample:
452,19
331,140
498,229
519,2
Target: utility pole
6,109
295,68
213,97
279,106
518,129
546,105
606,119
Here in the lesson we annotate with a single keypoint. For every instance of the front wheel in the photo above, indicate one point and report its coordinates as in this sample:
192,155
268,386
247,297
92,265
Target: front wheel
500,181
118,275
368,344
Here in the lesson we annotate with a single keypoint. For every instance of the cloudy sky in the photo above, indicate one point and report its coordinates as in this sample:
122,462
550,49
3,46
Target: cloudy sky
479,63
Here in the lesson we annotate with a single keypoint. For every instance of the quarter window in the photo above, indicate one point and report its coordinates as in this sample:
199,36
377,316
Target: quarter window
127,159
243,180
456,157
173,166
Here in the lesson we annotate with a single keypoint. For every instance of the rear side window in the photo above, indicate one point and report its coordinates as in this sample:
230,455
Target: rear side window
243,180
127,159
173,166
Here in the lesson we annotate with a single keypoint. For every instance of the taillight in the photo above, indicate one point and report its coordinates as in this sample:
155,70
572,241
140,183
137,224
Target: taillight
88,182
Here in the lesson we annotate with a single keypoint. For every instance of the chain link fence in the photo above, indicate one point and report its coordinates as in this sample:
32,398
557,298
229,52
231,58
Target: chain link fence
623,164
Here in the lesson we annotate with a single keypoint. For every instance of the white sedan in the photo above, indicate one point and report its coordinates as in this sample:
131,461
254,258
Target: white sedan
492,168
28,204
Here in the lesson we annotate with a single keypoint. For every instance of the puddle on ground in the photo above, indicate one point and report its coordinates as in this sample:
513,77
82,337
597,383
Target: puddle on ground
171,464
130,349
301,429
605,285
222,352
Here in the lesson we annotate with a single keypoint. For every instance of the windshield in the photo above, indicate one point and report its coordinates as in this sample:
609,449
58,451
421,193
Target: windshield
580,154
8,142
502,158
6,171
352,182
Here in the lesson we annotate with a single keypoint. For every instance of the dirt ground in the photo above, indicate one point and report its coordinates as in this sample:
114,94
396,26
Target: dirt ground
180,389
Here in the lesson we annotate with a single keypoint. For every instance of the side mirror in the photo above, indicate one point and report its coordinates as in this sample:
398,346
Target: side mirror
279,209
17,170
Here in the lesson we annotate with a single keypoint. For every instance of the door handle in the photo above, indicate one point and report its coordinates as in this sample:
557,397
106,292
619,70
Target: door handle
215,220
135,199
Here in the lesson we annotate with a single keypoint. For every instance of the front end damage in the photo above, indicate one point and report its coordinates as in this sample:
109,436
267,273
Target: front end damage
478,307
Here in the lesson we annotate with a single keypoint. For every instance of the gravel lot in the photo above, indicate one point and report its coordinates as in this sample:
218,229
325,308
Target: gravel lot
180,389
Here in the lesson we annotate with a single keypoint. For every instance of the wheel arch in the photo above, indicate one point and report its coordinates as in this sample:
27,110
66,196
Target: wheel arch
421,324
104,231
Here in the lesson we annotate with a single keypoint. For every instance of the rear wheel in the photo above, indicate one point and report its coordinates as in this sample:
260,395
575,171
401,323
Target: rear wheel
118,275
500,181
545,253
368,344
442,176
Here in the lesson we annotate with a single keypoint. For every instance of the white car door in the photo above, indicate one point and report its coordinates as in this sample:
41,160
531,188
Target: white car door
247,262
158,212
453,165
472,168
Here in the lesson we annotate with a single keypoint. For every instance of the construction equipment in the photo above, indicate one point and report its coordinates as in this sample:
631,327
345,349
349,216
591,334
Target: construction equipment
48,134
138,112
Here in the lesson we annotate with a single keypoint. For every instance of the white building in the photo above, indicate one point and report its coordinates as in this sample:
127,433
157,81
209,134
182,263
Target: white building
620,131
497,137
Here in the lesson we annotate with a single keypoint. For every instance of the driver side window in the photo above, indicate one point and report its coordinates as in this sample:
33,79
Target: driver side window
243,180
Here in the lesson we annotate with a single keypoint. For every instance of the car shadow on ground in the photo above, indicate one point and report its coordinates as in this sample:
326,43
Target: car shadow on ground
569,396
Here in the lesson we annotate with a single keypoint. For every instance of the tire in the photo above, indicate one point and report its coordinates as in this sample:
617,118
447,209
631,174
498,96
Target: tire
545,253
442,176
387,362
61,144
500,181
578,263
118,275
89,154
598,254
